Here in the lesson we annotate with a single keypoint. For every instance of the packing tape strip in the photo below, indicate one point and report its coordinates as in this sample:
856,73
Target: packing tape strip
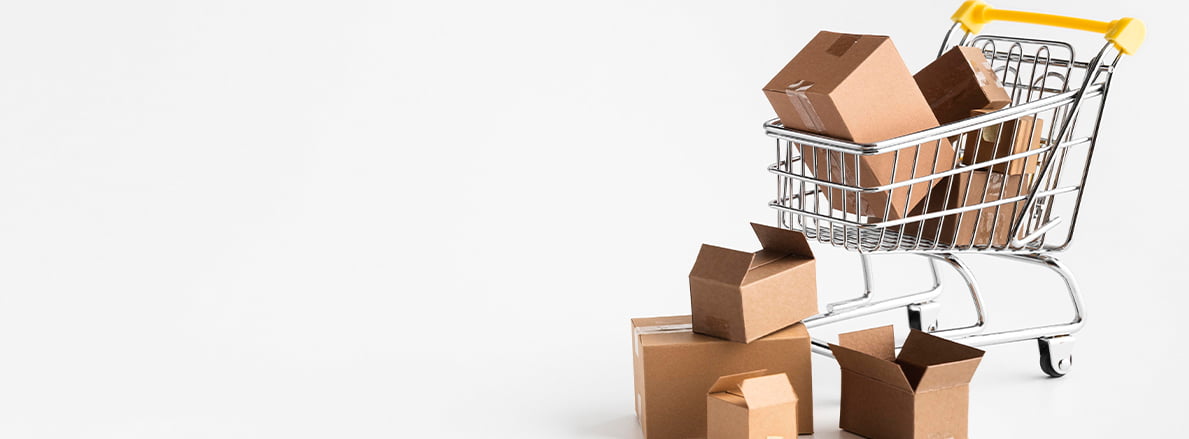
657,329
804,108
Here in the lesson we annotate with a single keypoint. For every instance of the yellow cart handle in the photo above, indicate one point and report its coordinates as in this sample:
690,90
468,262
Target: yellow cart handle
1126,33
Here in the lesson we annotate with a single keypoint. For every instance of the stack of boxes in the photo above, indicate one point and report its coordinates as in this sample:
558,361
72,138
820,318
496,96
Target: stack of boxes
746,312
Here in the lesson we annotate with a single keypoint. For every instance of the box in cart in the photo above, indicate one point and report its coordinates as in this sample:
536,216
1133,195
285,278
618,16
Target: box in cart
751,405
742,296
1017,136
959,81
986,226
923,393
857,88
673,368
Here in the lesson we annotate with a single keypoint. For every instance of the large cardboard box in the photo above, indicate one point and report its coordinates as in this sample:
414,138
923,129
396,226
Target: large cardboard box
989,225
997,141
922,394
742,296
751,405
856,87
674,367
959,81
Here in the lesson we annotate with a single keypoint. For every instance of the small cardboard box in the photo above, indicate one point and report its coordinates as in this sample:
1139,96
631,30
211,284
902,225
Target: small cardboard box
959,81
856,87
980,227
997,141
922,394
674,367
751,405
742,296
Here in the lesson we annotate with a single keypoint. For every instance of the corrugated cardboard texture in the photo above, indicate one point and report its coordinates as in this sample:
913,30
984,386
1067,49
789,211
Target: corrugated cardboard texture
959,81
768,403
922,394
674,370
1018,136
979,227
856,87
875,409
742,296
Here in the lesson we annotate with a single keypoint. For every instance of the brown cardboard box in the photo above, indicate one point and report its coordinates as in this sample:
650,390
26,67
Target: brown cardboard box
674,367
751,405
922,394
856,87
974,227
959,81
742,296
997,141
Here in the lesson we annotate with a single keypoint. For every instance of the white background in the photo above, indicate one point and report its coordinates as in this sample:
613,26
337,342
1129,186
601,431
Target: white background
242,219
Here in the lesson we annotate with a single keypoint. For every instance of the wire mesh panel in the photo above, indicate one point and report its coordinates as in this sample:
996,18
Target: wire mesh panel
1001,181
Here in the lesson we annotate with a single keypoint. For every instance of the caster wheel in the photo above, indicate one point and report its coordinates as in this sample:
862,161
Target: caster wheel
1056,355
923,316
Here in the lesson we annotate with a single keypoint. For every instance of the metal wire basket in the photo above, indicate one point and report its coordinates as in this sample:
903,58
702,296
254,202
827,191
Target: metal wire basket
1014,187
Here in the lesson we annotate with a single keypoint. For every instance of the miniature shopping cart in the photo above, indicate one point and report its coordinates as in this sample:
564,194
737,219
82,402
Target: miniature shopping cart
1057,103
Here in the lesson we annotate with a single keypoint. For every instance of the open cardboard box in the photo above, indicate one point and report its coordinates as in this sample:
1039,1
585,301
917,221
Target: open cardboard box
674,367
742,296
751,405
923,393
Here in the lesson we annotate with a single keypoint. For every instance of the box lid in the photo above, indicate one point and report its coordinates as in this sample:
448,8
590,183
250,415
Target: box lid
721,264
926,362
757,388
870,353
934,363
732,266
784,240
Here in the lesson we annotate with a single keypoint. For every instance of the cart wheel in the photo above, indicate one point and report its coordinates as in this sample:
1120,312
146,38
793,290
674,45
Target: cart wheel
1056,355
923,316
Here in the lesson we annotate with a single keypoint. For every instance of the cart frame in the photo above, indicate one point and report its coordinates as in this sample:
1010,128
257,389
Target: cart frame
1057,105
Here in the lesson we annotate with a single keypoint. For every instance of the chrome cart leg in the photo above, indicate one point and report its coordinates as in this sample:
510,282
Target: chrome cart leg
972,286
864,305
834,307
1055,341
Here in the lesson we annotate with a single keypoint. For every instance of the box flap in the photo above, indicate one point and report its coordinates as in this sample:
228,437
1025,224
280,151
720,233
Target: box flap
871,367
934,362
784,240
721,264
768,390
877,342
732,383
757,388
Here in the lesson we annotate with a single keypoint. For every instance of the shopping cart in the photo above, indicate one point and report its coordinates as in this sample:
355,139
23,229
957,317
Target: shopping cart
1051,129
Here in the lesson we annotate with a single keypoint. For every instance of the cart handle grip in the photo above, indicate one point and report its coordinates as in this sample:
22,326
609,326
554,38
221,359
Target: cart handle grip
1127,34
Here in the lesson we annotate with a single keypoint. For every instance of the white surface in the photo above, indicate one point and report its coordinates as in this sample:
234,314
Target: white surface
365,219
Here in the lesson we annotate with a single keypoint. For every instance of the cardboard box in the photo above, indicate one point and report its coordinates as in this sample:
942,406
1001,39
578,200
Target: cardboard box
674,367
742,296
922,394
975,227
996,141
856,87
959,81
751,405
